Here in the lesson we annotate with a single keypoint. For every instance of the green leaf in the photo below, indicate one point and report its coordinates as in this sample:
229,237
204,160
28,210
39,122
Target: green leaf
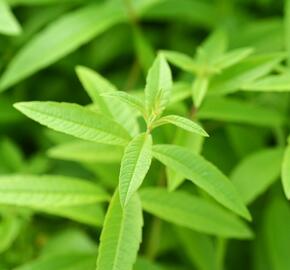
48,190
254,174
145,52
98,88
193,212
271,83
121,235
59,39
134,166
87,152
212,48
181,122
158,86
232,57
248,70
287,28
277,237
238,111
75,120
71,261
202,173
199,90
90,214
133,101
182,61
8,23
286,172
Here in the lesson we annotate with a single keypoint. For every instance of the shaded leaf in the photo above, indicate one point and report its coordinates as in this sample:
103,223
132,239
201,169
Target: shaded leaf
8,23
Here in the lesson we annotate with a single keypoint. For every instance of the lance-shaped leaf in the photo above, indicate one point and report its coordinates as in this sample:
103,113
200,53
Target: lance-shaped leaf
202,173
158,86
59,39
75,120
134,166
8,23
286,171
97,88
199,90
182,61
271,83
239,111
248,70
233,57
254,174
193,212
133,101
121,235
181,122
48,190
87,152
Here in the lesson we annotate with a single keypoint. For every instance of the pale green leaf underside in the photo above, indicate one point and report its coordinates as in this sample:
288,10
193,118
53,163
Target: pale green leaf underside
8,23
59,39
238,111
286,172
88,152
48,190
193,212
75,120
183,123
199,90
158,86
254,174
121,235
202,173
134,166
97,88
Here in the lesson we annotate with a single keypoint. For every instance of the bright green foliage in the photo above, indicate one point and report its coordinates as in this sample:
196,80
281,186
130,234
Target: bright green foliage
257,172
199,89
286,172
74,120
158,87
193,212
49,190
134,166
96,86
121,235
181,122
87,152
203,174
8,23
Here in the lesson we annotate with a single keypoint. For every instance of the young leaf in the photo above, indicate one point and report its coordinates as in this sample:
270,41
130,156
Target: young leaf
234,110
48,190
97,88
257,172
286,172
158,86
193,212
248,70
75,120
87,152
199,90
121,235
182,61
271,83
59,39
202,173
133,101
134,166
8,23
181,122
